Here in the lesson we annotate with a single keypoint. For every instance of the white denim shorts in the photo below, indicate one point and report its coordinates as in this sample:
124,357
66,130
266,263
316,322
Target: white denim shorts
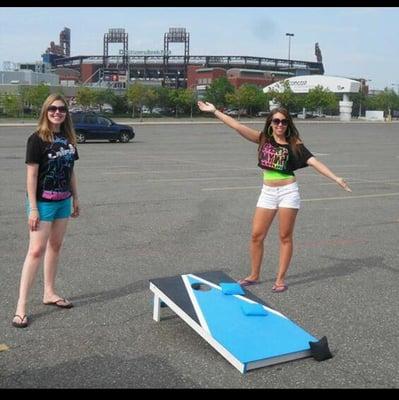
282,196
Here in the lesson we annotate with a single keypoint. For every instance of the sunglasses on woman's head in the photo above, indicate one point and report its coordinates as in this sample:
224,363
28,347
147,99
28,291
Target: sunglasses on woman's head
61,109
277,121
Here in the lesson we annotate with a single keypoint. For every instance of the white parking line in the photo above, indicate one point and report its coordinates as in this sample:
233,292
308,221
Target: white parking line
359,180
202,179
173,171
232,188
349,197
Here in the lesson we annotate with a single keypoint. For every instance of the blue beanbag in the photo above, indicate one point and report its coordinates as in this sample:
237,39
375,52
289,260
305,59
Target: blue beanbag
231,288
253,309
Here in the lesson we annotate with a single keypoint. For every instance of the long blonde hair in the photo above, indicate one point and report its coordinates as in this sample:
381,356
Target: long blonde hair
44,125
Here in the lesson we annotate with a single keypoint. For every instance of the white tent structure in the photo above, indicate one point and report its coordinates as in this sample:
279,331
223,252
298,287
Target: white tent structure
302,84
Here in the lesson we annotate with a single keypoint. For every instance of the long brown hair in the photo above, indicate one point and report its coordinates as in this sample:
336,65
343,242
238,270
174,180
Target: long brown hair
44,125
291,133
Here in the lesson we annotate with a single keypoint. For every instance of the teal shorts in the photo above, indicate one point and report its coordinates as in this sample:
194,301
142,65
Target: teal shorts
52,210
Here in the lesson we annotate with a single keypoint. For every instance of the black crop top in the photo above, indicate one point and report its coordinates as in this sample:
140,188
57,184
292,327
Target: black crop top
280,157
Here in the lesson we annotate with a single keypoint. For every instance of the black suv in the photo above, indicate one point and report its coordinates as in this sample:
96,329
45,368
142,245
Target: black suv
92,126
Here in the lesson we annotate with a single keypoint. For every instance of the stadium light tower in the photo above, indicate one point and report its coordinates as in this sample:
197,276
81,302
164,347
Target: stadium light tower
290,35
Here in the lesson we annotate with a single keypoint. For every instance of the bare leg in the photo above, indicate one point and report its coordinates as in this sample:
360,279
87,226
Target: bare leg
287,218
54,244
37,246
262,221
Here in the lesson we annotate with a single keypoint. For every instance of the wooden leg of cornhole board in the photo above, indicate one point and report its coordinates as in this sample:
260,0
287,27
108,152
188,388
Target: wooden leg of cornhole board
157,308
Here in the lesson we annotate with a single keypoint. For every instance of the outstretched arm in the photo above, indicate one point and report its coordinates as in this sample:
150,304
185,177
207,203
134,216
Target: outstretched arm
248,133
324,170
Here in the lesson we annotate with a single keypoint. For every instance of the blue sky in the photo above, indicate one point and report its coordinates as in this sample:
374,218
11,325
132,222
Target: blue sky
354,41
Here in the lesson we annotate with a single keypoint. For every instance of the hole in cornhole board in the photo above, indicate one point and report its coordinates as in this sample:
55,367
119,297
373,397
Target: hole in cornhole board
201,286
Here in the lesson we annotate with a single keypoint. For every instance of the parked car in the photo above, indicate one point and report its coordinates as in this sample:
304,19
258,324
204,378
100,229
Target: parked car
318,115
107,108
306,116
74,109
234,112
155,111
145,110
92,126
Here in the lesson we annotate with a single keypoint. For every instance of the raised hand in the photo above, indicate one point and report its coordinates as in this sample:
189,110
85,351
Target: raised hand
205,106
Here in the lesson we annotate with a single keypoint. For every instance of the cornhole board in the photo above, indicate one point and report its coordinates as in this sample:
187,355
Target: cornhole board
247,342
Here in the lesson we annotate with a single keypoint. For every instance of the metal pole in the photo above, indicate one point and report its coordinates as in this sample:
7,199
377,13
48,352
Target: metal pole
290,35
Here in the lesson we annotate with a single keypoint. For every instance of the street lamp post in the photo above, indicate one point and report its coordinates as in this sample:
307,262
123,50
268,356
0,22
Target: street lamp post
362,93
290,35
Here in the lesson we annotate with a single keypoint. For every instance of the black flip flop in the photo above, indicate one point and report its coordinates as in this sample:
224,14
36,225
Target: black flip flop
21,324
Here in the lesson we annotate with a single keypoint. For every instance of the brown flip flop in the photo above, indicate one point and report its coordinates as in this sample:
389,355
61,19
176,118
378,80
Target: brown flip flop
279,288
57,303
247,282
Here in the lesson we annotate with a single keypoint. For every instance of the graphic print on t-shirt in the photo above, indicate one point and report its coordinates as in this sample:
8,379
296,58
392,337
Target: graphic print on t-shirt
274,157
61,156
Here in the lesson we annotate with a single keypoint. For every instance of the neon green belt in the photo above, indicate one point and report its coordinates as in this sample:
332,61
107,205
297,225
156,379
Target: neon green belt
272,175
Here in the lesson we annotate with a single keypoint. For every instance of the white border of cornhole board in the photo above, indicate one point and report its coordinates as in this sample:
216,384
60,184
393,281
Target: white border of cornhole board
203,331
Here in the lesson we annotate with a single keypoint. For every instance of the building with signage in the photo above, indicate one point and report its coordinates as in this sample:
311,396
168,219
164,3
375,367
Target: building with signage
336,84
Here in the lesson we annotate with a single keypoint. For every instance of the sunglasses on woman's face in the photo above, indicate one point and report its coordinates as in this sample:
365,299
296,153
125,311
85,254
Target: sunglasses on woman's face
61,109
277,121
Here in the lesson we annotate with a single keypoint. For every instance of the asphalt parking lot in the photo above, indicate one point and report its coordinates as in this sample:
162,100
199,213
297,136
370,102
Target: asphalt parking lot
180,199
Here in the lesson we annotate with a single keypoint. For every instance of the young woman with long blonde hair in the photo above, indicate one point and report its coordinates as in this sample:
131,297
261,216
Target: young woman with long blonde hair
51,198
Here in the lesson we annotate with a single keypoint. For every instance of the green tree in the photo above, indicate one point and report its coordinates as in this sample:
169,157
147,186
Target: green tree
187,99
120,104
386,100
248,97
34,96
261,102
11,104
284,96
359,103
136,96
85,97
151,98
101,97
164,98
217,91
41,92
319,99
175,99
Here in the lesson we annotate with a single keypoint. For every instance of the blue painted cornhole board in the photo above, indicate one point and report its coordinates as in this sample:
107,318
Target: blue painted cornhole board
247,342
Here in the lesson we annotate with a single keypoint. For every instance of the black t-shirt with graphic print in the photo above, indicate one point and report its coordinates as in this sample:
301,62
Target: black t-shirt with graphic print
280,157
56,161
